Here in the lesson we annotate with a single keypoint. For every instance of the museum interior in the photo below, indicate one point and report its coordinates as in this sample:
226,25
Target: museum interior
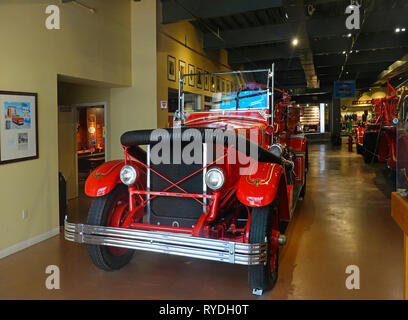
323,84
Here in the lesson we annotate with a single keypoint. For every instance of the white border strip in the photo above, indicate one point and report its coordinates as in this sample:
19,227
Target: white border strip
28,243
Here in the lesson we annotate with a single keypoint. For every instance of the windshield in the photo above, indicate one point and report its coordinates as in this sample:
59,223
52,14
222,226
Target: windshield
234,90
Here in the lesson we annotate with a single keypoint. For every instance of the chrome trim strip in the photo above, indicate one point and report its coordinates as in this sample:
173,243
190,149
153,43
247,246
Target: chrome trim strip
169,243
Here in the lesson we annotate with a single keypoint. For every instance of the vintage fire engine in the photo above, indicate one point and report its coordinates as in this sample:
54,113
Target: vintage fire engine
214,208
376,141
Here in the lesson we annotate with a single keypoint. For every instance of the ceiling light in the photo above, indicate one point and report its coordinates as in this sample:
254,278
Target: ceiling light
397,30
349,35
344,52
403,29
295,42
286,15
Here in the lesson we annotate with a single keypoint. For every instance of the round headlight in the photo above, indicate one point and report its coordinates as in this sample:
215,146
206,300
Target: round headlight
128,175
214,178
276,149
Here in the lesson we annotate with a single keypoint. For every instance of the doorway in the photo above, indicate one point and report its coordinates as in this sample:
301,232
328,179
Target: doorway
90,128
82,147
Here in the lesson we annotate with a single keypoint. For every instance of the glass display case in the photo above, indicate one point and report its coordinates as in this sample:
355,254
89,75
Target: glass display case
402,150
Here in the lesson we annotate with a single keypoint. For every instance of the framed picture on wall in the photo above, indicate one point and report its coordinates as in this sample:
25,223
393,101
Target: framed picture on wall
18,127
182,69
199,78
171,68
206,81
212,83
191,70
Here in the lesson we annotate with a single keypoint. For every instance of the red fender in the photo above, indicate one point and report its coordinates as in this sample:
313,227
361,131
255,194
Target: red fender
105,178
260,188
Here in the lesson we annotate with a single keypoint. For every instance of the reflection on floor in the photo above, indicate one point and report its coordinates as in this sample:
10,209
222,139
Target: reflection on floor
344,220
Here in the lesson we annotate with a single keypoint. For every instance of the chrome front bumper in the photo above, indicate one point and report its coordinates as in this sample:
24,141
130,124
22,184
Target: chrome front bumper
169,243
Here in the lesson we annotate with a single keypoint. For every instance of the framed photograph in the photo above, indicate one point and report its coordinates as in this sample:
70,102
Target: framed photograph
218,88
182,69
206,81
171,68
199,78
191,70
18,127
212,83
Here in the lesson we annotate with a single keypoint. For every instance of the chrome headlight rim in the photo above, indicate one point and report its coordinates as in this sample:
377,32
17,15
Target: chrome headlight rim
131,180
276,146
221,177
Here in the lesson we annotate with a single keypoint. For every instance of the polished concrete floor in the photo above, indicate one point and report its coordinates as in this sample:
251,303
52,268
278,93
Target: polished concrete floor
344,220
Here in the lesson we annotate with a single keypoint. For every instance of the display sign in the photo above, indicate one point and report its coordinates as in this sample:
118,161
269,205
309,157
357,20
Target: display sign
344,89
361,102
18,126
163,104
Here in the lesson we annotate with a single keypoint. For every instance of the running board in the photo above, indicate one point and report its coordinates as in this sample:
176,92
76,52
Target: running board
168,242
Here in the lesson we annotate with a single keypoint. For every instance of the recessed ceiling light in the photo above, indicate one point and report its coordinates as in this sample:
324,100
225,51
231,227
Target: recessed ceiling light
397,30
295,42
403,29
349,35
344,52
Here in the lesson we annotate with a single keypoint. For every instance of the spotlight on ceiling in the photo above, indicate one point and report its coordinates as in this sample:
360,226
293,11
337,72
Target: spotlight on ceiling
344,52
397,30
295,42
349,35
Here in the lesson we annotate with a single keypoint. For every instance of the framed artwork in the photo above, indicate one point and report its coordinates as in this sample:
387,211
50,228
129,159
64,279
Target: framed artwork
212,83
222,85
171,68
199,78
191,70
218,88
18,127
182,69
206,81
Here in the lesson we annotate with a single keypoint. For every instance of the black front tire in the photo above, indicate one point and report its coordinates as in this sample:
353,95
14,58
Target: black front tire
99,211
262,276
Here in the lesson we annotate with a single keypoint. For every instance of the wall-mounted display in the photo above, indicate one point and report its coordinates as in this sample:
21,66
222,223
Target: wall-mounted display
18,127
171,68
191,79
212,83
199,78
182,69
206,81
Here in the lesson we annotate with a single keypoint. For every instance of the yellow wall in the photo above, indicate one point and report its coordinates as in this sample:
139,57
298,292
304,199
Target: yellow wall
103,47
184,42
135,107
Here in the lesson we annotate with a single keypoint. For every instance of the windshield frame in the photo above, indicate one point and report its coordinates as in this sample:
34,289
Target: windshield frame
179,115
